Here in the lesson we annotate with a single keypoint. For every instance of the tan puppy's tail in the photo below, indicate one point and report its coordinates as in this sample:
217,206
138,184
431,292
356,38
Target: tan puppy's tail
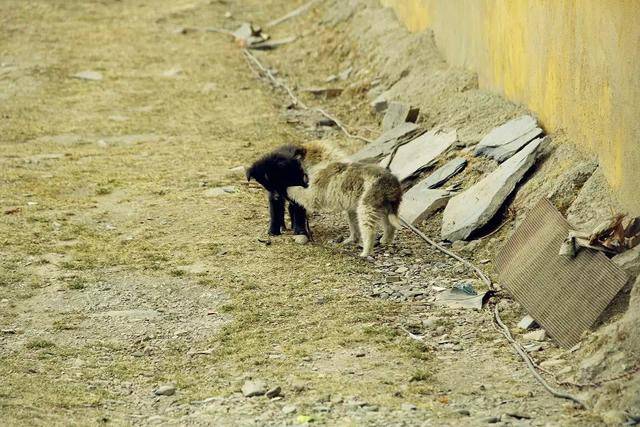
395,221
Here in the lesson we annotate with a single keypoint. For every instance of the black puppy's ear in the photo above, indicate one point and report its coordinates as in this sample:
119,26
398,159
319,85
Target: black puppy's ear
300,153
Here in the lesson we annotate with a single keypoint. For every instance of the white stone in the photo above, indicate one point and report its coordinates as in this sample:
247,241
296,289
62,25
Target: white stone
420,153
420,202
473,208
506,140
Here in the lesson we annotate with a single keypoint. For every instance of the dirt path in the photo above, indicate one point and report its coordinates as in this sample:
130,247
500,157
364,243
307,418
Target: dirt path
124,266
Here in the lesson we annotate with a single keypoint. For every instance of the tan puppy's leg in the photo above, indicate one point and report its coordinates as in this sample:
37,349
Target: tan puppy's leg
388,230
367,220
354,231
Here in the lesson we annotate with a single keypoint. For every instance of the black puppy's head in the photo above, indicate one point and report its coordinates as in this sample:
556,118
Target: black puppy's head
278,170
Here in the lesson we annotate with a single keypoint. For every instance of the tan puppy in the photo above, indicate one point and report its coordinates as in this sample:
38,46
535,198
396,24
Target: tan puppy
369,194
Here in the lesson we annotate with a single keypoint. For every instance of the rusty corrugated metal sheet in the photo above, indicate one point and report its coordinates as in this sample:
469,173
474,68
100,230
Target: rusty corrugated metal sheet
565,296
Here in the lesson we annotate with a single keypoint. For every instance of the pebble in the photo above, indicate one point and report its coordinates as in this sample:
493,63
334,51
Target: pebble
253,388
274,392
490,420
402,270
289,409
88,75
165,390
614,418
537,335
360,353
301,239
464,412
409,407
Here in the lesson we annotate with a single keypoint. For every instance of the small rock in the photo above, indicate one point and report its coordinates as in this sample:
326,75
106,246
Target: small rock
537,335
253,388
428,323
380,104
88,75
289,409
274,392
360,353
238,172
614,418
490,420
402,270
440,330
174,72
464,412
220,191
526,323
301,239
228,15
408,406
165,390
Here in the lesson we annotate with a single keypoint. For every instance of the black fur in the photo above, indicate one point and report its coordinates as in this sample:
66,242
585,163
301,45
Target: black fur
276,171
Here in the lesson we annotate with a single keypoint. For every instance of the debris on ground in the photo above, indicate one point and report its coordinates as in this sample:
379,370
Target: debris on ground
526,323
165,390
461,296
326,92
419,154
473,208
252,388
564,295
248,35
398,113
272,44
506,140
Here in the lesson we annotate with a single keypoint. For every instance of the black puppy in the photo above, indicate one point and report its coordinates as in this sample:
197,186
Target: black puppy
287,160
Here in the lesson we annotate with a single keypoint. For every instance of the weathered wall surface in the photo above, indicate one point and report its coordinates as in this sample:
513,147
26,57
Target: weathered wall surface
576,64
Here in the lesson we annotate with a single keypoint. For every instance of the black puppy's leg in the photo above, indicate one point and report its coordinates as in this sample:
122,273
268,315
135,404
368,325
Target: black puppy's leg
276,213
298,219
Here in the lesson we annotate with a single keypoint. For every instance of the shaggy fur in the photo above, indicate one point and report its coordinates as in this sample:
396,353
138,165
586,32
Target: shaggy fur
369,194
286,160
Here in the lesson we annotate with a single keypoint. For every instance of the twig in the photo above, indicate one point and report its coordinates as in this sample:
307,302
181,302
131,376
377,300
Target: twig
296,12
294,99
341,126
502,328
412,335
216,30
420,234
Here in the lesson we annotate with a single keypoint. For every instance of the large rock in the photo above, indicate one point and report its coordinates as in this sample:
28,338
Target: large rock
420,153
470,210
385,143
253,388
420,202
443,173
397,114
506,140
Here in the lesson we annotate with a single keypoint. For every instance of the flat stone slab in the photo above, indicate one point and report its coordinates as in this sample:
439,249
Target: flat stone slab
397,114
506,140
444,172
385,143
420,202
473,208
420,153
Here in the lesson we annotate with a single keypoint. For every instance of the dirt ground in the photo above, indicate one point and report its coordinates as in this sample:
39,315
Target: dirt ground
134,255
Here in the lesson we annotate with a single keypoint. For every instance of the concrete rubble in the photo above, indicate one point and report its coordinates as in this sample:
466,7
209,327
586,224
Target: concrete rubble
472,209
398,113
420,202
506,140
445,172
385,143
420,153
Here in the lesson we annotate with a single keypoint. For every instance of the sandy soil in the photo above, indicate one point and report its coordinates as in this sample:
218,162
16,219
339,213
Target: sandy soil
124,266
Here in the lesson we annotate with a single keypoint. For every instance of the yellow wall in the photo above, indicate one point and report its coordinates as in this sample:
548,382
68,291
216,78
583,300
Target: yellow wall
576,63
